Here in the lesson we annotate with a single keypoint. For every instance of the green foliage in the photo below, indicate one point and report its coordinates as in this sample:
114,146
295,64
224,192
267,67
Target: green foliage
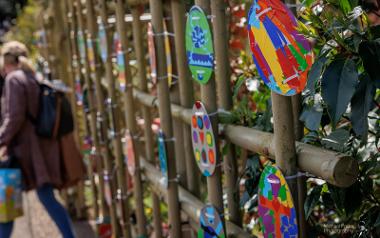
361,104
341,111
25,28
251,175
252,105
338,85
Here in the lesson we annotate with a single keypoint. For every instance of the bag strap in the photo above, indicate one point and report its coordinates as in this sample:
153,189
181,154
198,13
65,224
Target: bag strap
29,116
58,116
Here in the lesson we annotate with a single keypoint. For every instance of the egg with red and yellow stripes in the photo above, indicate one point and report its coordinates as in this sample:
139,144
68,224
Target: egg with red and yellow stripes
281,54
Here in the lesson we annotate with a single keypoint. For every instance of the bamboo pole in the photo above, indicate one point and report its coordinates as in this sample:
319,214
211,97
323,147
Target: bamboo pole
208,95
131,121
166,119
101,142
179,146
284,141
47,24
71,29
186,93
55,40
103,211
77,75
69,67
189,203
122,180
223,75
76,21
142,85
301,181
298,134
338,169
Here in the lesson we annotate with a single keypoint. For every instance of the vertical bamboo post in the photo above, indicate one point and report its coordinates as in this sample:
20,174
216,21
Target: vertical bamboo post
100,202
70,68
208,95
284,141
142,85
131,120
60,44
102,142
301,181
223,75
118,149
166,119
49,47
76,74
298,134
175,98
54,61
185,91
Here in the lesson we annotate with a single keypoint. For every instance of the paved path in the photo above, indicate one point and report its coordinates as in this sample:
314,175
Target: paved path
36,223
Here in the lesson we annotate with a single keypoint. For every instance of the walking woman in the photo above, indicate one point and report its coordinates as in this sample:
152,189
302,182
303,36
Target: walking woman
45,163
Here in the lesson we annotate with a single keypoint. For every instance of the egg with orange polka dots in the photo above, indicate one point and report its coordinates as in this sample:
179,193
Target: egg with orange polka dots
203,139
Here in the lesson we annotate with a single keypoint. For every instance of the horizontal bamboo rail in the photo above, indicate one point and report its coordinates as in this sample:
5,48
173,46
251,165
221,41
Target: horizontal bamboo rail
189,203
338,169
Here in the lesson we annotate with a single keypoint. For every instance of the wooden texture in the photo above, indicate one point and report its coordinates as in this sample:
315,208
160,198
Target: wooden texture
185,91
156,9
223,79
338,169
131,119
102,118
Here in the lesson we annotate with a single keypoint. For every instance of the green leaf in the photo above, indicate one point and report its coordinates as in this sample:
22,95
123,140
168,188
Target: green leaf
352,205
312,116
253,166
336,140
361,104
244,198
225,149
311,138
345,6
377,223
369,52
315,73
338,195
308,2
338,86
312,200
240,81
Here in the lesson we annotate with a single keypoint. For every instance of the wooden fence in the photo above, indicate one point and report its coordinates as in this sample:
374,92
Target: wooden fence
108,113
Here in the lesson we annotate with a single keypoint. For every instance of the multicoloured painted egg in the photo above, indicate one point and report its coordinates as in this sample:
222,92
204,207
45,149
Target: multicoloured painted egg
81,46
203,139
107,190
162,158
281,54
211,224
168,53
102,42
118,49
199,48
276,208
152,54
130,153
91,55
78,92
87,145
